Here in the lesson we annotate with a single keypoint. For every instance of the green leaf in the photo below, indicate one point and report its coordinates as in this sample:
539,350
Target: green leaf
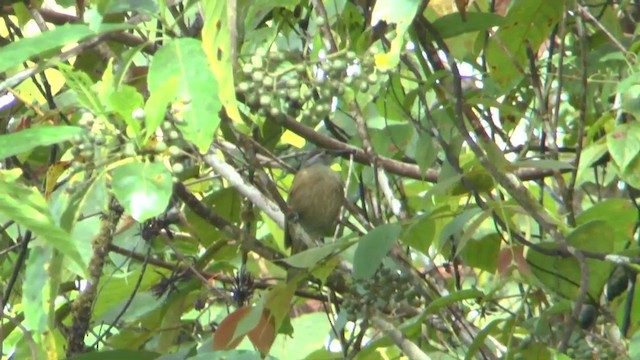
77,200
456,227
562,274
312,256
125,101
117,354
631,173
453,24
544,164
528,24
217,44
82,85
589,156
398,12
420,233
156,107
426,153
372,248
482,253
620,214
452,298
35,289
624,144
198,104
149,7
143,189
479,339
15,53
28,139
27,207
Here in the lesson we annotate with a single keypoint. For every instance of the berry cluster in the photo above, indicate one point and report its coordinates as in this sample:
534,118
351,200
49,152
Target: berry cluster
85,144
276,83
383,292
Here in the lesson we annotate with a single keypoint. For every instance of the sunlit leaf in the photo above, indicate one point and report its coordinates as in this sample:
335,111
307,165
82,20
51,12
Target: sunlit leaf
197,105
144,189
17,52
372,248
27,207
28,139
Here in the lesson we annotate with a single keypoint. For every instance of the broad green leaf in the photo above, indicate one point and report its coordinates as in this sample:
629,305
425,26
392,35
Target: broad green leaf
397,12
312,256
420,233
149,7
634,346
311,331
256,10
143,189
198,103
117,290
125,101
118,354
456,227
631,173
401,13
453,24
528,24
77,201
544,164
82,85
589,156
562,274
278,300
172,324
479,339
455,297
28,139
624,144
631,99
216,42
620,214
156,107
27,207
15,53
372,249
482,253
35,288
425,152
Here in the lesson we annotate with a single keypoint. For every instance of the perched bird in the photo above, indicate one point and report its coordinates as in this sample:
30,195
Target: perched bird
315,200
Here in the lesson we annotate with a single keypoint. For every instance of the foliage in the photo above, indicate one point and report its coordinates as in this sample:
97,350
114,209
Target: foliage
489,151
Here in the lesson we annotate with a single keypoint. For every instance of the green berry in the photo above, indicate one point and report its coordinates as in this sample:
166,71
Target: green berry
257,61
177,168
265,100
244,86
257,76
267,81
174,150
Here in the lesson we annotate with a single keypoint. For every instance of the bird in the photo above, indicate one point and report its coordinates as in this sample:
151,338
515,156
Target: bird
315,199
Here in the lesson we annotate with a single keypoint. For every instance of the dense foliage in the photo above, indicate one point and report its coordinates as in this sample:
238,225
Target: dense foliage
489,151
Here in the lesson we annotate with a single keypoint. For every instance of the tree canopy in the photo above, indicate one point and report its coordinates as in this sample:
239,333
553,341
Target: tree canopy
489,152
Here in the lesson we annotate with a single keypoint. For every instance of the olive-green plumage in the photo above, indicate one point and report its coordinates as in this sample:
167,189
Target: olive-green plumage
315,198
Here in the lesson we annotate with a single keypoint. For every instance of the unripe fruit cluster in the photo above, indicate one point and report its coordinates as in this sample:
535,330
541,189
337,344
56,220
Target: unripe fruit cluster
85,144
306,88
383,292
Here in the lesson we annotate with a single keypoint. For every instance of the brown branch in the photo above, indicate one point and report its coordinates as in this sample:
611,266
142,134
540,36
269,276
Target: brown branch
81,309
57,18
396,167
